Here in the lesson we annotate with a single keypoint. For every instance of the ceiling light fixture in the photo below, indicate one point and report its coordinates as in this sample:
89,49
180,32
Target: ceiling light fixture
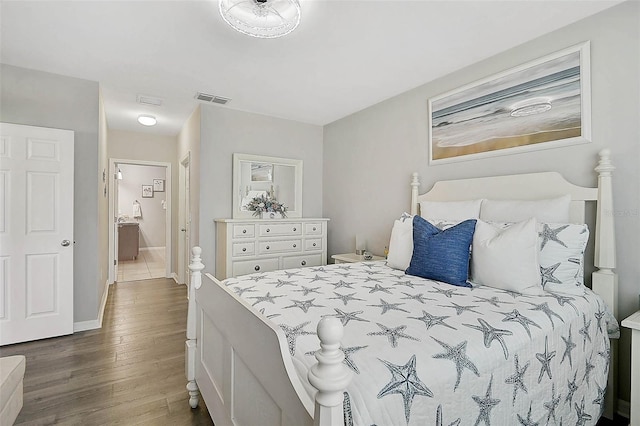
261,18
147,120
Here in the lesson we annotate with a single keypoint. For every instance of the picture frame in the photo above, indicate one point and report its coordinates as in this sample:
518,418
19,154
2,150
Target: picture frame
158,185
542,104
147,191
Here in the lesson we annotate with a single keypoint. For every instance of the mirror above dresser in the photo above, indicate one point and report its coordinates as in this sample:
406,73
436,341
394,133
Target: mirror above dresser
256,175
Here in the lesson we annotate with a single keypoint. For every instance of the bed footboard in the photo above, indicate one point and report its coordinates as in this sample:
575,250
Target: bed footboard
234,358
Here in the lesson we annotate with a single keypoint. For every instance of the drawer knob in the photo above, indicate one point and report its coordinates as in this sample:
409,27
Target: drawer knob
257,268
268,247
314,228
268,230
294,229
314,244
244,231
244,249
294,246
303,263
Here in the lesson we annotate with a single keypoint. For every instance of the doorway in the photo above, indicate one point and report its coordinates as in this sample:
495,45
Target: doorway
140,220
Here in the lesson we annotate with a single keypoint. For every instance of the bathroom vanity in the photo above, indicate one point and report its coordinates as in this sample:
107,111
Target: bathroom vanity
128,240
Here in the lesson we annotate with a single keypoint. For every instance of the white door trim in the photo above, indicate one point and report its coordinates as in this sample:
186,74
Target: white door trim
113,219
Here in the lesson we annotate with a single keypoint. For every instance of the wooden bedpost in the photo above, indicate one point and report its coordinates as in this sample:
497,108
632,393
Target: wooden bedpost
330,376
196,267
415,186
604,281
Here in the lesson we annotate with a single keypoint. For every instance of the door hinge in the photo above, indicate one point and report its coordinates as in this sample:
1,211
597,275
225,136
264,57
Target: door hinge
115,262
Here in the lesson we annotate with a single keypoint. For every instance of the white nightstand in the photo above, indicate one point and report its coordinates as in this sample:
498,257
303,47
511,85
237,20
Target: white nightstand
351,258
633,322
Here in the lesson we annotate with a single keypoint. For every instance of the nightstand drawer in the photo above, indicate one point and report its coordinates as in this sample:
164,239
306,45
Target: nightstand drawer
240,231
251,266
313,244
302,261
313,228
244,249
286,246
279,229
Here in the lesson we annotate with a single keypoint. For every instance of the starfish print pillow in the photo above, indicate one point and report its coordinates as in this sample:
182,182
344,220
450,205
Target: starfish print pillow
561,257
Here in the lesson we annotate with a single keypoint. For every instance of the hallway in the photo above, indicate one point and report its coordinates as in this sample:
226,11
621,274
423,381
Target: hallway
129,372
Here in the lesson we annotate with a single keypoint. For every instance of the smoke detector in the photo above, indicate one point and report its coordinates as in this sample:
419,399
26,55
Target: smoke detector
214,99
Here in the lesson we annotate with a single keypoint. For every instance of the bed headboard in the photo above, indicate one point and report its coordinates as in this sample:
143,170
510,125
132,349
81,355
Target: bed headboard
534,186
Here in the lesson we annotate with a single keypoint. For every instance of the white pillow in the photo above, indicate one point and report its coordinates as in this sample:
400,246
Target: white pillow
401,243
552,210
507,258
452,210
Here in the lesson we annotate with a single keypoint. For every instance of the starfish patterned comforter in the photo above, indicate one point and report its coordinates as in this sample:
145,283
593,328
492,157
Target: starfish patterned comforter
429,353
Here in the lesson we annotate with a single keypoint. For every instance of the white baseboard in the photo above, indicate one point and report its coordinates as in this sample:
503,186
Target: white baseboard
86,325
97,323
151,248
175,278
624,408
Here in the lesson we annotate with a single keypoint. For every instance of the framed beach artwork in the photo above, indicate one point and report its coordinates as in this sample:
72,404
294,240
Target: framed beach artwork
542,104
261,172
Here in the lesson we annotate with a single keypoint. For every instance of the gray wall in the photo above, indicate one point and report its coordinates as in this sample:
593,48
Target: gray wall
153,220
42,99
225,131
369,156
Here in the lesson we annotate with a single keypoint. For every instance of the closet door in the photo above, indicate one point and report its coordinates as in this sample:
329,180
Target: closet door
36,233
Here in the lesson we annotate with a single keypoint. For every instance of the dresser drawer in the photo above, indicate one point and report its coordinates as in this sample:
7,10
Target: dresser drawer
286,246
279,229
251,266
302,261
313,244
313,228
247,230
244,249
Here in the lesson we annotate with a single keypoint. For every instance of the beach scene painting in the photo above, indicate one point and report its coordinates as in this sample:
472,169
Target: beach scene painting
541,104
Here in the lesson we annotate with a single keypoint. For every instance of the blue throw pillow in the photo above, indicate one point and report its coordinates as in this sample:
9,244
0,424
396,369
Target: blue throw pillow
441,255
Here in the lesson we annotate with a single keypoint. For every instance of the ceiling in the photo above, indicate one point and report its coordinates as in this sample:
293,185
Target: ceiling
344,56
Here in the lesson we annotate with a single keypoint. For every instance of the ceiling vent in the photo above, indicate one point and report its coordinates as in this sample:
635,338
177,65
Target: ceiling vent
211,98
148,100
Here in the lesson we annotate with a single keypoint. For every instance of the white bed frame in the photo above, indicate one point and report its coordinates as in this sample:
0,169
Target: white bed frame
239,361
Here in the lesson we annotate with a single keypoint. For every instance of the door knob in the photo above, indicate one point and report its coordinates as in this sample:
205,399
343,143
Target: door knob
65,243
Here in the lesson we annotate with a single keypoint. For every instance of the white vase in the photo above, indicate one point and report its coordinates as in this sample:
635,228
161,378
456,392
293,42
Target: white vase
270,215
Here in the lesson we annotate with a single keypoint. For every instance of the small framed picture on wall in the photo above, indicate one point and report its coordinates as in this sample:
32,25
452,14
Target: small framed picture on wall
147,191
158,185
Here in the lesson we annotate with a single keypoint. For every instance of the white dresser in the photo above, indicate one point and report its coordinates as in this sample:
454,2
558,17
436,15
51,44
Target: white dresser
245,246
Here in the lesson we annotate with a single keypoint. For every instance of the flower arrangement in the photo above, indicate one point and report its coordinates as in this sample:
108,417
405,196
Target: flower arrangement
261,204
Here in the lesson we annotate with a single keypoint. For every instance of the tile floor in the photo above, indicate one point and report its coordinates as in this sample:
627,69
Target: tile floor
149,264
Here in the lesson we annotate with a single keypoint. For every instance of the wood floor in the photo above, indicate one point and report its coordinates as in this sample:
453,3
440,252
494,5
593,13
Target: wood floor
129,372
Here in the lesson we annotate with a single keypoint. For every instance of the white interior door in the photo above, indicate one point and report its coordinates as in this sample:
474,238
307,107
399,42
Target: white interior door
184,220
36,233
